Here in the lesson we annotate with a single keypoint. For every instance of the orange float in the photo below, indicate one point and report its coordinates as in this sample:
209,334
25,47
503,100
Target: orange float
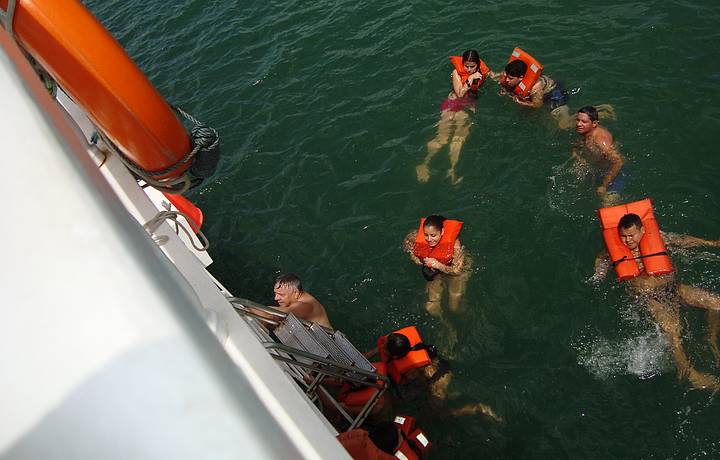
94,69
652,248
534,70
416,359
414,443
444,250
350,395
186,207
457,62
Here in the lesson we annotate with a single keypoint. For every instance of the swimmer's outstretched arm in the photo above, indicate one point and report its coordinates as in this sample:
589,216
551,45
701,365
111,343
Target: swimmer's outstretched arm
602,266
687,241
371,353
536,100
616,163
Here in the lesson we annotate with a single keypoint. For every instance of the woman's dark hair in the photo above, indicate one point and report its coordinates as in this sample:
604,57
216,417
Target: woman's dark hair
434,221
590,111
516,68
472,56
398,345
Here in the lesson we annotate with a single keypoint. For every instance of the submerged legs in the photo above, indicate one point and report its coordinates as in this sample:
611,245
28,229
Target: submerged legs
667,316
455,123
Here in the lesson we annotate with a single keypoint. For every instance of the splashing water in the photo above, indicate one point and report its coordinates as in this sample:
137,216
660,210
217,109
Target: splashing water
644,356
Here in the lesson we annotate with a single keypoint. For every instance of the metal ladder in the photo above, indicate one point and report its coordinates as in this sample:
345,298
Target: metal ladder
309,353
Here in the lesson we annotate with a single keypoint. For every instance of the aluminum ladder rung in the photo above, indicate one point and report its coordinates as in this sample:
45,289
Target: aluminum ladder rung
359,360
292,330
329,344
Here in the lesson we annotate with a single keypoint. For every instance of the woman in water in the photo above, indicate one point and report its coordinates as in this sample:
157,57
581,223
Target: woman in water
435,247
469,73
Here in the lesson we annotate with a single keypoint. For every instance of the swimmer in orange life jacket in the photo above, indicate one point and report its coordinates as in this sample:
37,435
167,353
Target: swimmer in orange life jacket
532,89
416,367
597,147
454,126
386,441
662,295
436,248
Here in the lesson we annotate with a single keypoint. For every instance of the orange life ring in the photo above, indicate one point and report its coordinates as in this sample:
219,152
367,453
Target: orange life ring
93,68
417,359
652,248
534,70
457,62
443,251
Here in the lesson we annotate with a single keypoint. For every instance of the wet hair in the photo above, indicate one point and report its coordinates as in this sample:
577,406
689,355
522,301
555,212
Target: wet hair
434,221
385,436
289,280
590,111
628,220
398,346
472,56
516,68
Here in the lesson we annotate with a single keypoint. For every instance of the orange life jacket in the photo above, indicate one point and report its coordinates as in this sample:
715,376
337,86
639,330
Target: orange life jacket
414,443
358,444
534,70
350,395
396,368
652,248
443,251
457,62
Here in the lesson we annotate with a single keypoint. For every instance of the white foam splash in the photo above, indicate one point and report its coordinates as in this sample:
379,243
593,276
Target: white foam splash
644,356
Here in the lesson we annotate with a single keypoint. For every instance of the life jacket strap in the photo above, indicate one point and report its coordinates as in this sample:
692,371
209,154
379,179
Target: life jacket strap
624,258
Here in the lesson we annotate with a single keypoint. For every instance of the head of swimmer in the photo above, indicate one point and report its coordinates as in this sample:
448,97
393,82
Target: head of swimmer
514,73
631,230
397,345
287,289
471,61
433,230
586,119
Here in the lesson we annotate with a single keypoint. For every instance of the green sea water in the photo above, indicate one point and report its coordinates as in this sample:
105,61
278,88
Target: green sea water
325,108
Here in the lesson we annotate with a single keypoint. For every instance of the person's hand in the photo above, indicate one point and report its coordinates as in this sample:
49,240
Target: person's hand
431,262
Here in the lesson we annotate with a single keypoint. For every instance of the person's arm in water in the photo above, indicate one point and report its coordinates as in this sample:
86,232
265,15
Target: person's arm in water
687,241
456,264
602,266
607,147
534,99
372,353
408,245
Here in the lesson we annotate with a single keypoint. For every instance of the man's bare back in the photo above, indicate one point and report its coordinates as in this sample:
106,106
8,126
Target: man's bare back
291,298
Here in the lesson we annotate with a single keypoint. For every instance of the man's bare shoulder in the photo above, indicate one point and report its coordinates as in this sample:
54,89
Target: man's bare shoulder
602,137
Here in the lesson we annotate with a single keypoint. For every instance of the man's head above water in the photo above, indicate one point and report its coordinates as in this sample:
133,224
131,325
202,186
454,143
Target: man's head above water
631,230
